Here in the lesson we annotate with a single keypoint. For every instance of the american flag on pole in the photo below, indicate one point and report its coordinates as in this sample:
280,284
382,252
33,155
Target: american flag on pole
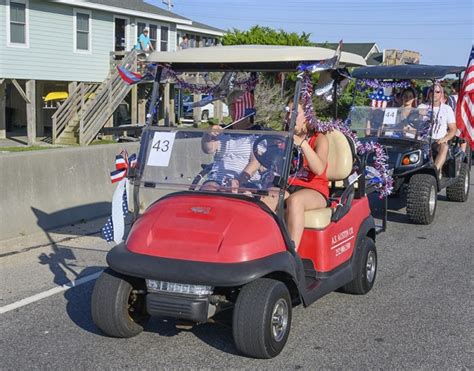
244,105
465,105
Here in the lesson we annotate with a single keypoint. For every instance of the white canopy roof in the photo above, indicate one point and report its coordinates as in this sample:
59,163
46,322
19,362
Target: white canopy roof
284,57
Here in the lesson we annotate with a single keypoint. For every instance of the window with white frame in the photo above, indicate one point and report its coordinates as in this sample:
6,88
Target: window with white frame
153,35
82,21
164,39
17,20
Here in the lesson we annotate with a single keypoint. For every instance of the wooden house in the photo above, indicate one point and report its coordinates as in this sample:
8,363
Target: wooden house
66,51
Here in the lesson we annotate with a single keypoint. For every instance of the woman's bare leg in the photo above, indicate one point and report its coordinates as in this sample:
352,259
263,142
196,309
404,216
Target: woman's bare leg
296,204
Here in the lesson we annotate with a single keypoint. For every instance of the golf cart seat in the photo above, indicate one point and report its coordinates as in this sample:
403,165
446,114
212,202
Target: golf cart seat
340,161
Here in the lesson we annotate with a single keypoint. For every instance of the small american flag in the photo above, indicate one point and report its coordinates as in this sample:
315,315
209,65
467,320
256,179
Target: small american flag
379,99
244,105
108,228
465,104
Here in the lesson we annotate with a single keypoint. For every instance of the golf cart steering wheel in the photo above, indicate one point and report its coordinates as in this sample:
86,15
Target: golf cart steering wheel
267,149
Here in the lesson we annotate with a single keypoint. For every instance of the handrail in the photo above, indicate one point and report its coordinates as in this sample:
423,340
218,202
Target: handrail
111,93
85,115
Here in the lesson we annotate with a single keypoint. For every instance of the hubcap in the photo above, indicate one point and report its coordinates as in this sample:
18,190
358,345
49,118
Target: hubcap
432,202
466,183
371,266
279,320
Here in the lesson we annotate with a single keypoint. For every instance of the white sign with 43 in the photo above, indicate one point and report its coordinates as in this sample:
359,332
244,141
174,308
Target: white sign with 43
161,148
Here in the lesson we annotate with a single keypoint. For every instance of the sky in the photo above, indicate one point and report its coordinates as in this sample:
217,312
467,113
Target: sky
441,30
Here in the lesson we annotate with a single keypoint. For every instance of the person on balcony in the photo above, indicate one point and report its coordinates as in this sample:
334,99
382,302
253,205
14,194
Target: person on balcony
144,42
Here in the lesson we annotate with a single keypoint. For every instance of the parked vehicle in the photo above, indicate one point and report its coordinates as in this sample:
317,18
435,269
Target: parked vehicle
207,111
192,254
409,143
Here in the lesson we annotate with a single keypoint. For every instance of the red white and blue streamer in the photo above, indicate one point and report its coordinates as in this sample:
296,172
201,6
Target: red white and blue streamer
380,175
114,228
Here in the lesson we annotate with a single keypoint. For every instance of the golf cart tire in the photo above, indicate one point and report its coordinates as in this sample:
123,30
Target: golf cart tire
365,269
459,191
252,322
111,305
418,198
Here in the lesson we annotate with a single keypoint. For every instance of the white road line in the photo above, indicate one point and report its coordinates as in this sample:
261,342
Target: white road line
45,294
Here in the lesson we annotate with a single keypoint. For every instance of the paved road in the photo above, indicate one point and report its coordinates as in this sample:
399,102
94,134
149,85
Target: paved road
418,316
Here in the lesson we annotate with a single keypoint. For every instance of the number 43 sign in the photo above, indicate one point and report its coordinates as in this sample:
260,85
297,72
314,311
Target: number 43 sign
161,147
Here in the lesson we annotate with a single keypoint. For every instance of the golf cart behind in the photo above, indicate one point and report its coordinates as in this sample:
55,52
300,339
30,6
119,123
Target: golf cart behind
407,139
194,253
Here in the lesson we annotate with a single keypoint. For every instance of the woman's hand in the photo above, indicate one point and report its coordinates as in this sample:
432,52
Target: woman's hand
298,141
209,142
216,130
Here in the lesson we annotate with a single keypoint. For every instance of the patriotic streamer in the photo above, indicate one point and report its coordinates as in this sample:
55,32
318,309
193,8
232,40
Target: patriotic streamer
325,64
122,163
363,84
114,228
382,180
246,84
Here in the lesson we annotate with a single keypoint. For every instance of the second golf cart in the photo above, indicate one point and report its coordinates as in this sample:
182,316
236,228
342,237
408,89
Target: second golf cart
407,136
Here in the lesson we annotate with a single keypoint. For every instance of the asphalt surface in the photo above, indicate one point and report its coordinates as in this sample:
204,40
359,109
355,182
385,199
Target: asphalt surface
419,314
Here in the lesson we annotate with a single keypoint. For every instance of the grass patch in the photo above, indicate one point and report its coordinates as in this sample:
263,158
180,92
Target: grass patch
103,141
24,148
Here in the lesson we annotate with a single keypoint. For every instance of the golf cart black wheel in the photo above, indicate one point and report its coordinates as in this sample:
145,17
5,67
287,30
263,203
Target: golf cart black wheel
365,269
459,191
205,116
262,318
118,305
422,198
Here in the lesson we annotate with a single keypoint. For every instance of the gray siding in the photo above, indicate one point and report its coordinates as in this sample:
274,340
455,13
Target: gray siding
51,55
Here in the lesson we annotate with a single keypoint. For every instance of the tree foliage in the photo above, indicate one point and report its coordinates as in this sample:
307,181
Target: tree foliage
265,36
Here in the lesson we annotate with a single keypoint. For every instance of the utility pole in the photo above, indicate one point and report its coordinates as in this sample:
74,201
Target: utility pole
169,3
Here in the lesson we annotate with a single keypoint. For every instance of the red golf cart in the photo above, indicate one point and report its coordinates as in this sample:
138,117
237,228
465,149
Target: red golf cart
194,253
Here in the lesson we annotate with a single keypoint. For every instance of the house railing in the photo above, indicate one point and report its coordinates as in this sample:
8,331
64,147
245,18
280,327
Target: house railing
110,94
70,109
89,106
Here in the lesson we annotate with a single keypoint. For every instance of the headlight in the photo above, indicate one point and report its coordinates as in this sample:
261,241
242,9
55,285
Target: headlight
411,158
178,288
414,157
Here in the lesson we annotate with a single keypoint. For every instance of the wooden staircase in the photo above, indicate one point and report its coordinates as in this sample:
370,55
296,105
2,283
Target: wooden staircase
89,107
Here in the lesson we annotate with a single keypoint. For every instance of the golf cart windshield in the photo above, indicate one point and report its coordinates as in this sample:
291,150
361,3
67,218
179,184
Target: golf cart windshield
174,160
411,123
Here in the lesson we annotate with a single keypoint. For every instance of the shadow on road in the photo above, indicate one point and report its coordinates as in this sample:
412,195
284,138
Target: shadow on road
73,216
217,334
78,299
395,208
59,261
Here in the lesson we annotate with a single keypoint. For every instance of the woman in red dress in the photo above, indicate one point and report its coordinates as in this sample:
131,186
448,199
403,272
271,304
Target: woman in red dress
308,187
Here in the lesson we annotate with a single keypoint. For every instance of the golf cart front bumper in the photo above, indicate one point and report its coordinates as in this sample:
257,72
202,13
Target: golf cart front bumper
178,306
123,261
